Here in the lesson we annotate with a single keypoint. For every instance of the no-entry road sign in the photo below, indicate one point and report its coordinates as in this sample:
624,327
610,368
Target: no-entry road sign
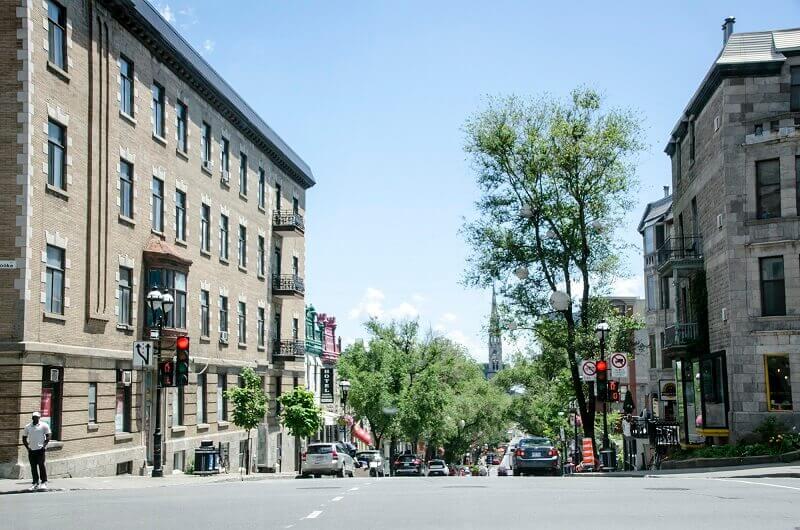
588,370
619,365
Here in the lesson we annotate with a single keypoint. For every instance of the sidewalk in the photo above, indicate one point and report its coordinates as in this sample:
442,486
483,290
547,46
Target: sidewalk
122,482
761,471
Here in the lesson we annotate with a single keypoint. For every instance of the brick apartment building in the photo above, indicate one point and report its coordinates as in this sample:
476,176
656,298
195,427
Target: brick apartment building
727,259
128,163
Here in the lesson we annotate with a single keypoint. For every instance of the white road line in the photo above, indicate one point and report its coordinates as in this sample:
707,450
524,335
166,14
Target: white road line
757,483
353,489
336,499
313,515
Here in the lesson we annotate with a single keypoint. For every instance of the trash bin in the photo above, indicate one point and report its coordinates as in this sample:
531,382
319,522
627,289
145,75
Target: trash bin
206,459
608,457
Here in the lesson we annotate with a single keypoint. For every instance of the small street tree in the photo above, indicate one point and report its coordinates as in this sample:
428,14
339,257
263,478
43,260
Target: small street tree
249,406
300,413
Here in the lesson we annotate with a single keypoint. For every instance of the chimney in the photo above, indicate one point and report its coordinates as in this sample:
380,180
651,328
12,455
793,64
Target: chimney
727,29
666,191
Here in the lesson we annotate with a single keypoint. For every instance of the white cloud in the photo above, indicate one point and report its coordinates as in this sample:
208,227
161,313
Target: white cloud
418,298
166,12
404,310
449,317
208,45
633,286
371,305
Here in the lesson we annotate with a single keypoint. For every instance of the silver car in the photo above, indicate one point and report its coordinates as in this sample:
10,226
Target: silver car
327,459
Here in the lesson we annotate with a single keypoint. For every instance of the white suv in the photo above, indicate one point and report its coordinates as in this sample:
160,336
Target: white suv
327,459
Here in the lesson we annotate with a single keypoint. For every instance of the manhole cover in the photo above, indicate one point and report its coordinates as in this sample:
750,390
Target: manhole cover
667,489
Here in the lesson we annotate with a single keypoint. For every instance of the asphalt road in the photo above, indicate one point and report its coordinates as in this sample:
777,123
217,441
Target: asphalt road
422,503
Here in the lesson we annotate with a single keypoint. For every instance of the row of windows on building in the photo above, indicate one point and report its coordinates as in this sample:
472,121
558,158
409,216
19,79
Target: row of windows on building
52,394
772,287
57,132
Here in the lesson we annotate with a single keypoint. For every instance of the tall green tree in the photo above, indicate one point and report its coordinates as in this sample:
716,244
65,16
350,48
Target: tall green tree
556,177
249,405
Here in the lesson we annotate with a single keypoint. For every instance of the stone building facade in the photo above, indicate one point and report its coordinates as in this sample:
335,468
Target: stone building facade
129,164
732,256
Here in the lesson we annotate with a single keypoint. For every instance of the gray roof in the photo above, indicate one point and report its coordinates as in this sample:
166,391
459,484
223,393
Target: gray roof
749,48
190,63
655,211
760,52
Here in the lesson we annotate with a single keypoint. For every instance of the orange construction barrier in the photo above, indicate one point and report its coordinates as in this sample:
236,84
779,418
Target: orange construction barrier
588,453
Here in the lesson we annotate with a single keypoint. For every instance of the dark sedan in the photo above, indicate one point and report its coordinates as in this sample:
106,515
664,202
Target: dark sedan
409,465
536,455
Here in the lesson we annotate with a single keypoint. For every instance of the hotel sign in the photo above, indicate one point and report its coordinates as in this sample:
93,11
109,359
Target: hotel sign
326,385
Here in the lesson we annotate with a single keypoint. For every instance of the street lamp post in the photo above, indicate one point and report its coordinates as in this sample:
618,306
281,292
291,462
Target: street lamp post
159,304
344,389
602,329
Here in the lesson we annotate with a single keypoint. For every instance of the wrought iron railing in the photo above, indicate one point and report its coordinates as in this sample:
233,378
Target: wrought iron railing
288,219
659,432
687,247
293,349
288,282
680,335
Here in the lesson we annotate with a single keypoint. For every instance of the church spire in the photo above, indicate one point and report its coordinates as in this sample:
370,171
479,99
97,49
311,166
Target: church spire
495,340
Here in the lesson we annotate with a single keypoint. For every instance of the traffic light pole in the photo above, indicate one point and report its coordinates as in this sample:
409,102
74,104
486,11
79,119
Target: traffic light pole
605,401
157,469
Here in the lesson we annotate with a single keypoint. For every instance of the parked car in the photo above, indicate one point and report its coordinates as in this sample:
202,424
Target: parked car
327,459
505,466
437,468
536,455
409,465
367,457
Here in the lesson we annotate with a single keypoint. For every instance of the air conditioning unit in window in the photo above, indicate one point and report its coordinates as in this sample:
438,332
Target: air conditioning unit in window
223,337
127,377
226,176
55,375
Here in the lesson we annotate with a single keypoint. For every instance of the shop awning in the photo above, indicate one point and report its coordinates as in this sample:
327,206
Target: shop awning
362,434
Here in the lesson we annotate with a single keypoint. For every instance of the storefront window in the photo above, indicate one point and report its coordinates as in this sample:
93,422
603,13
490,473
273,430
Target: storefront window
122,411
712,377
50,404
779,383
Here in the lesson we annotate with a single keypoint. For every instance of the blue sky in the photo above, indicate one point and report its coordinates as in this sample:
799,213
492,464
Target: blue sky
373,96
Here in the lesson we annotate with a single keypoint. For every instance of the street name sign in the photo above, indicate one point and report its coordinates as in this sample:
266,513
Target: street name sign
143,354
619,365
8,264
588,370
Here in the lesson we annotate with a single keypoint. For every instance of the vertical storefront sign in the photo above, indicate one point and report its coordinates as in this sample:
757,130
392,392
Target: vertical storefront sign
326,386
46,407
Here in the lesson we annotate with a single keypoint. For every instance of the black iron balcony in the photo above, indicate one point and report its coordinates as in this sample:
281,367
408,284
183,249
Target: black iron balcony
288,350
288,285
288,222
680,252
680,336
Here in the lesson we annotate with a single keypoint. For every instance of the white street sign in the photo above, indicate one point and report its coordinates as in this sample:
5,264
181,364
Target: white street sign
588,370
143,354
619,365
8,264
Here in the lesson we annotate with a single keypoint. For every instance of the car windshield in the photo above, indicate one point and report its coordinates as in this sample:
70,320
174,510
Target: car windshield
320,449
407,458
436,462
533,442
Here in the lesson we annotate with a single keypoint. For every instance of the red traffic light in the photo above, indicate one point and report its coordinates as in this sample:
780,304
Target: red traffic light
602,366
182,343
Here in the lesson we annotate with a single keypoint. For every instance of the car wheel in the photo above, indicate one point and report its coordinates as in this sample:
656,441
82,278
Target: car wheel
340,473
317,476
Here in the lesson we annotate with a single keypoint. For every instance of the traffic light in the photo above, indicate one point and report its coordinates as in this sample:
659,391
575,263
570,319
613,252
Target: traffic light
613,391
166,373
182,361
602,380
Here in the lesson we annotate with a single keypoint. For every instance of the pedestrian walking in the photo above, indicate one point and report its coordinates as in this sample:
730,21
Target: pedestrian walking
35,438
